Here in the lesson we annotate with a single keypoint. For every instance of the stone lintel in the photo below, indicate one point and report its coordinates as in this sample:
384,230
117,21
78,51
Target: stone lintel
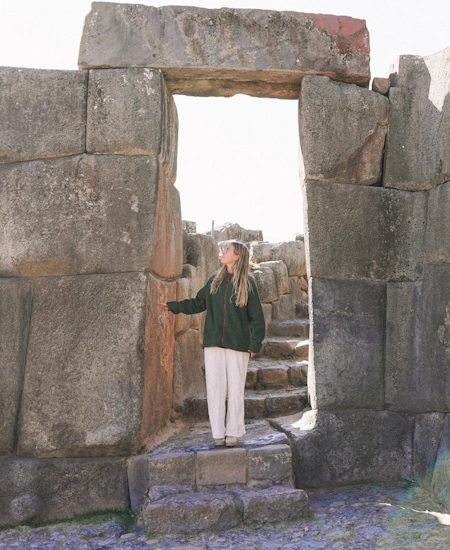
226,51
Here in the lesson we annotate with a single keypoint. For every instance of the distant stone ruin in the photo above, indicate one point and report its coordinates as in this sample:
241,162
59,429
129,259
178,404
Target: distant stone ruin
92,238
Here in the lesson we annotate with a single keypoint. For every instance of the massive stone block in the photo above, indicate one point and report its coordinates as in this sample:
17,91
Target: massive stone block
437,248
342,448
346,369
83,390
15,311
436,334
266,283
159,345
47,489
166,256
408,385
351,148
440,483
182,321
42,114
418,142
233,231
202,252
280,271
90,214
188,376
418,343
359,232
226,51
292,253
131,113
145,471
427,438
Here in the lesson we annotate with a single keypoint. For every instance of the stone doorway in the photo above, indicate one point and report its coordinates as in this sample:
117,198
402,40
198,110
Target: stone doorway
238,162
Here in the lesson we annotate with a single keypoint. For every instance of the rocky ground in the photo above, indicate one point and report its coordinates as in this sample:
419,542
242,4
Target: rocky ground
350,518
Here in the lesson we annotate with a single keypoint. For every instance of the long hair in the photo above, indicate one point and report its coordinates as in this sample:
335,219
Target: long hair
240,274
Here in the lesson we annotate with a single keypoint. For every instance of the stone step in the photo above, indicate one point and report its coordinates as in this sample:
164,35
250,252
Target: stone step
269,374
186,510
262,458
292,327
258,403
283,347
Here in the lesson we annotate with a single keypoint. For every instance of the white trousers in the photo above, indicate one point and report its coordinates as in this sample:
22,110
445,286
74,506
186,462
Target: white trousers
226,371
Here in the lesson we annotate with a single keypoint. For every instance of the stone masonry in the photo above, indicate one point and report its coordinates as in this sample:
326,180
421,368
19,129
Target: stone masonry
92,239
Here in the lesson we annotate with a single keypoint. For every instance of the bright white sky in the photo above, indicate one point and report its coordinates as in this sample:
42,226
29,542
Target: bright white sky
238,157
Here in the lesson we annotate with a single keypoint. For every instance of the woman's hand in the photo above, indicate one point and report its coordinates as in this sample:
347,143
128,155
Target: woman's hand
163,306
252,353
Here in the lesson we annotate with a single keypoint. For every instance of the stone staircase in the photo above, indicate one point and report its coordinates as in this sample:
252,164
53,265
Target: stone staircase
186,485
276,378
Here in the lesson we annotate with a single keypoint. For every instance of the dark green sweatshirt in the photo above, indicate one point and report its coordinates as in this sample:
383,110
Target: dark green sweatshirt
227,325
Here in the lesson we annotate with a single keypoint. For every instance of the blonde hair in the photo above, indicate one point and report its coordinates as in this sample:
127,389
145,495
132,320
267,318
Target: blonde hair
240,274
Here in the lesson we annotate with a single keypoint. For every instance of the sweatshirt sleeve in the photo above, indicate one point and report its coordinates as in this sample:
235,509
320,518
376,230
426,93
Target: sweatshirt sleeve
191,305
256,318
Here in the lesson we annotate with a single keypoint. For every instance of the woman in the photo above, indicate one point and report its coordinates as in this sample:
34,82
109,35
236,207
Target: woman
234,331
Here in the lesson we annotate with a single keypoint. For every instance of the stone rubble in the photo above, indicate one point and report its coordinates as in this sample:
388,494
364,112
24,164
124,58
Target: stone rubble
366,517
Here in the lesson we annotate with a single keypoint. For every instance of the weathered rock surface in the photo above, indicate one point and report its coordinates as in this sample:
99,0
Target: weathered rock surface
273,504
166,246
202,252
145,471
340,448
437,246
346,369
381,85
360,232
233,231
42,114
412,372
91,214
273,463
83,389
226,51
280,271
292,253
440,483
283,309
418,142
182,513
182,322
15,312
267,284
428,430
201,261
159,346
344,110
131,113
49,489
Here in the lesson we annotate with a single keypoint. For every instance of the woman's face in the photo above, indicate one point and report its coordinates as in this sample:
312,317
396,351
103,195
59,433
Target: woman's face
228,256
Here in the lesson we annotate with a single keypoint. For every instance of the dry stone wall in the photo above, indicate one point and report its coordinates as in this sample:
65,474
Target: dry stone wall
377,249
91,240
